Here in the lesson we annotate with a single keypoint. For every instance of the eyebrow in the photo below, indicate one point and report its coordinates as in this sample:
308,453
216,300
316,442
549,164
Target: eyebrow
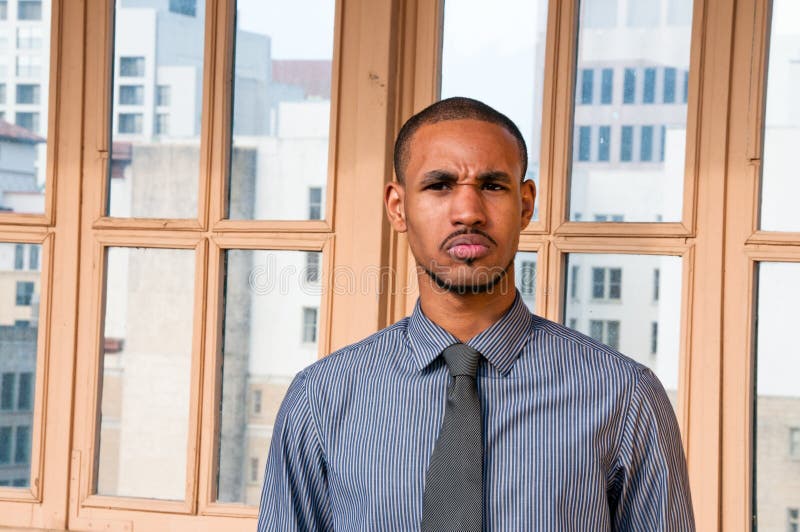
443,176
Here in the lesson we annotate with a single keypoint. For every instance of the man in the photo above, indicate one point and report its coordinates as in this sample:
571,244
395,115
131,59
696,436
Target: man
472,413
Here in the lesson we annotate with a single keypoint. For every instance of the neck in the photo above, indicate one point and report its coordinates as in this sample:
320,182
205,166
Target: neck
465,315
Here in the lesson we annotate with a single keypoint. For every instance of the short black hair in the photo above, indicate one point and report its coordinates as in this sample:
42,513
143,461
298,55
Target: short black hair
456,108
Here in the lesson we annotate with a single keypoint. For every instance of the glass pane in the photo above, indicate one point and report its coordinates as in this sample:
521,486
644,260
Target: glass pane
19,327
777,411
146,366
24,95
631,91
156,115
271,331
486,42
631,303
281,109
525,277
779,183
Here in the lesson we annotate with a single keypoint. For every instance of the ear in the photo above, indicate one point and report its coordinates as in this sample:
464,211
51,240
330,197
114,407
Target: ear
528,193
394,199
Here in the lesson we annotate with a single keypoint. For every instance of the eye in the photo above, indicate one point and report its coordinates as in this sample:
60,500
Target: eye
495,187
439,185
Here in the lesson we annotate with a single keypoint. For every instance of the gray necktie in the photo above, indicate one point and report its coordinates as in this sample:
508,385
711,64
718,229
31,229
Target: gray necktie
453,499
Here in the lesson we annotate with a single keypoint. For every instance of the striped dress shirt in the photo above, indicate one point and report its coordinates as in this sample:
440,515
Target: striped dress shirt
577,436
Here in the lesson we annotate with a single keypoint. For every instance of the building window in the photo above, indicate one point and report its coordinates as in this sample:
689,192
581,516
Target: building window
5,445
584,143
605,331
685,86
573,323
19,482
609,218
573,284
132,67
654,338
794,442
130,122
29,10
656,284
3,9
257,402
315,203
131,94
607,283
255,472
28,93
309,324
646,147
2,93
183,7
662,143
626,145
163,95
587,85
793,519
29,66
29,121
527,278
649,92
7,391
629,90
22,445
25,392
29,38
19,256
607,86
24,293
33,257
22,323
162,124
312,266
670,76
604,143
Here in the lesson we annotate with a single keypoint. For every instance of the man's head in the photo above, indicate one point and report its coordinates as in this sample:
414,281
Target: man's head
460,195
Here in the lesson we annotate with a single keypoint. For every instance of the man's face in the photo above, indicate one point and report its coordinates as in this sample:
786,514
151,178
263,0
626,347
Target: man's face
463,204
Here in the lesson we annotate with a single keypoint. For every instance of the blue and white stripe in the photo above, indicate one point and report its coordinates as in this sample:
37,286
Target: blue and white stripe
577,436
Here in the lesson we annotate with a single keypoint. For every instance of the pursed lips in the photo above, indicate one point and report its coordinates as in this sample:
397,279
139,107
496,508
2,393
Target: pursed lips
468,247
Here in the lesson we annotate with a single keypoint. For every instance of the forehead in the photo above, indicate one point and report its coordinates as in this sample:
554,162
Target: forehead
468,144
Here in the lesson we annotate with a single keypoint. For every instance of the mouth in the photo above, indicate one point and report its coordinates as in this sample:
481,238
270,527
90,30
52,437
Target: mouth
468,247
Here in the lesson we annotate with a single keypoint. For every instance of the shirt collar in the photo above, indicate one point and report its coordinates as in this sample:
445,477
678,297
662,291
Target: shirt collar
501,343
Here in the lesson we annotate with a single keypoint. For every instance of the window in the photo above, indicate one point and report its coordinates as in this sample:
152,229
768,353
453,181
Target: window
607,283
130,122
626,145
3,9
649,93
587,85
22,445
162,124
573,323
28,93
29,10
573,286
662,143
607,86
33,257
19,482
309,324
19,256
29,121
22,323
5,445
685,86
656,283
646,146
29,38
670,77
643,14
629,90
315,203
7,385
256,402
584,143
654,338
24,293
183,7
2,93
25,392
609,217
794,442
793,519
605,331
604,143
131,94
528,278
131,67
163,95
312,266
255,471
29,66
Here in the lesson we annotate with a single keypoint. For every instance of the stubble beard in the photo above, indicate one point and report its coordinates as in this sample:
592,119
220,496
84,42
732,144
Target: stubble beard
462,289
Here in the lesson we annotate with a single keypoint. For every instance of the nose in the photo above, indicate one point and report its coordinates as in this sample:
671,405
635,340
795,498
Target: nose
467,207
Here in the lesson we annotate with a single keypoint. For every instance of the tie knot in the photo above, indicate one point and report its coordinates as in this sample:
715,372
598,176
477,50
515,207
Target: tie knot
461,360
